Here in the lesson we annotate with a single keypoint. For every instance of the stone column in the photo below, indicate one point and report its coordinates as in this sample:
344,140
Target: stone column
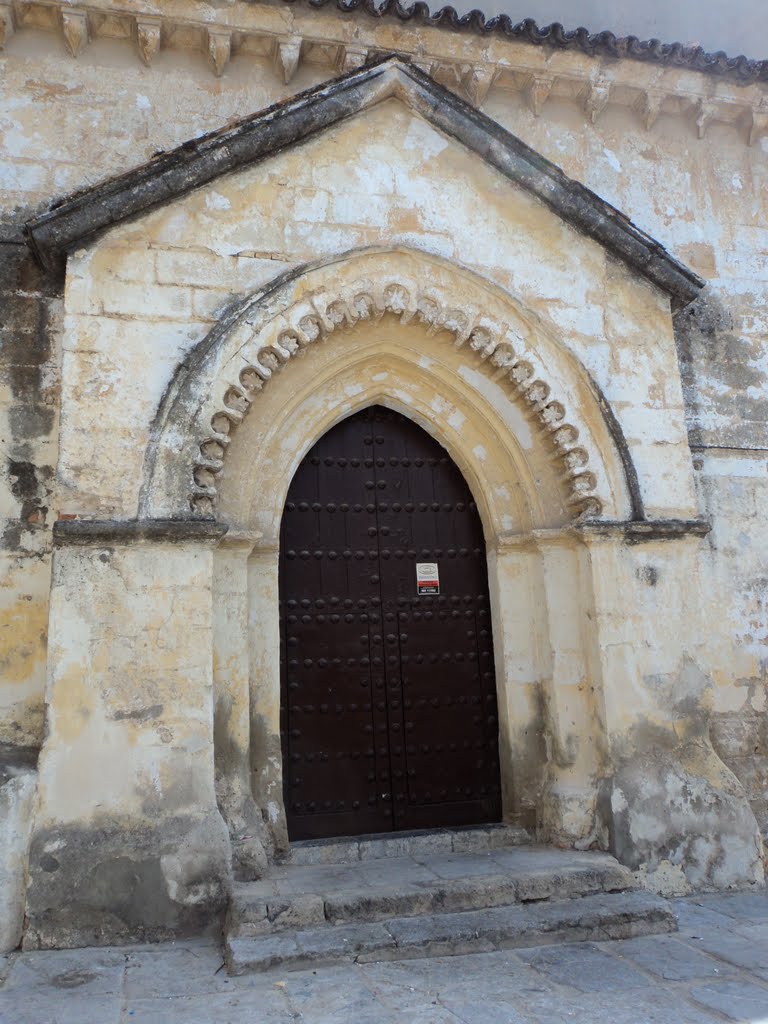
128,843
519,625
232,707
575,736
264,634
675,813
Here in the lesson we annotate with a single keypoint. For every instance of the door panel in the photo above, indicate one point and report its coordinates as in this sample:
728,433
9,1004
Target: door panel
388,698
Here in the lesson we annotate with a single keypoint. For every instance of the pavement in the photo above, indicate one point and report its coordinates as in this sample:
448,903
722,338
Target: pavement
714,969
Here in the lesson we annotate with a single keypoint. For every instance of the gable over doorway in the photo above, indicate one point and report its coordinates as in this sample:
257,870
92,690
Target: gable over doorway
388,709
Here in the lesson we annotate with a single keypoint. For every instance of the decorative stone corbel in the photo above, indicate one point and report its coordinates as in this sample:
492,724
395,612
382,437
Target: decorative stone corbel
286,57
74,25
425,65
448,74
477,81
758,124
352,58
7,23
537,92
596,100
148,37
650,108
219,49
705,115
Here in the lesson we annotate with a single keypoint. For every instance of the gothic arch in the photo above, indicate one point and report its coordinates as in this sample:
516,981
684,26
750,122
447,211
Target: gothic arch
512,493
509,401
262,338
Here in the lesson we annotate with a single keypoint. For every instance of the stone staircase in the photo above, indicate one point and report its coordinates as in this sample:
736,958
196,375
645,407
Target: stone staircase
431,894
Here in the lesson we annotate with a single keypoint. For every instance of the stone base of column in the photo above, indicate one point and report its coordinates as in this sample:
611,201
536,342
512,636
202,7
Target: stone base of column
121,881
680,819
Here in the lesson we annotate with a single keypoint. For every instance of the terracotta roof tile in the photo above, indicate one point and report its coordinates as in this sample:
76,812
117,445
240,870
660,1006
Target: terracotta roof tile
599,44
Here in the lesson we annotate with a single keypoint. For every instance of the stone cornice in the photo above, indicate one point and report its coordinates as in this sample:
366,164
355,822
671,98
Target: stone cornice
647,530
87,214
99,532
556,37
335,36
628,532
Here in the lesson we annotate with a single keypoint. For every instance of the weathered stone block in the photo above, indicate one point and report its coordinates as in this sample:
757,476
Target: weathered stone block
17,794
108,881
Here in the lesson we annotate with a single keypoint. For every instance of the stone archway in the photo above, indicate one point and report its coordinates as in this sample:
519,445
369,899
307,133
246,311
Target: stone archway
520,418
266,334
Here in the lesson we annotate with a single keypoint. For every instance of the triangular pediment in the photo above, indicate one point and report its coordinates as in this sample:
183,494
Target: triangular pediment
89,213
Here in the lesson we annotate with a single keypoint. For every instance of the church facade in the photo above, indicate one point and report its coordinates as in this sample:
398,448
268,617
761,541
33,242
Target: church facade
385,443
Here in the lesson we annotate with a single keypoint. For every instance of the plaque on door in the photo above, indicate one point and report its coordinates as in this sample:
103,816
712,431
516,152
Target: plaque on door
427,578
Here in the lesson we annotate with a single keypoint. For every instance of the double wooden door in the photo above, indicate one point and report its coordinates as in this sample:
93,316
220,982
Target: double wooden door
388,703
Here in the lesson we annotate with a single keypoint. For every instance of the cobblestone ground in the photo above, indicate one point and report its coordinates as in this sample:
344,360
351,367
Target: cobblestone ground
714,969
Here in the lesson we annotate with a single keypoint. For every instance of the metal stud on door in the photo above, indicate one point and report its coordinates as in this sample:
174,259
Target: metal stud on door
388,689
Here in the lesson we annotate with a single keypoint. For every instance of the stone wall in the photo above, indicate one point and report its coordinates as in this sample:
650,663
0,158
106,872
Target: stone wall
128,841
29,399
671,151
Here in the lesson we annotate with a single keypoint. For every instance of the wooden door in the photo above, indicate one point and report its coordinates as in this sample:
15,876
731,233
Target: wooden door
388,711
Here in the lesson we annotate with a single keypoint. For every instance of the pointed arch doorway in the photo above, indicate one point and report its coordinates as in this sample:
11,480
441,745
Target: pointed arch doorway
388,689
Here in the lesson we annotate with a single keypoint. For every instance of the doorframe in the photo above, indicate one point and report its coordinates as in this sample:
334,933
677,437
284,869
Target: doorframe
386,340
543,785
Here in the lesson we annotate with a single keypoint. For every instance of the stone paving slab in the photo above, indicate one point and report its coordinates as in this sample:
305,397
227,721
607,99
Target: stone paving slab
633,981
695,921
585,968
741,906
74,1008
737,949
69,970
180,971
646,1006
668,958
735,1000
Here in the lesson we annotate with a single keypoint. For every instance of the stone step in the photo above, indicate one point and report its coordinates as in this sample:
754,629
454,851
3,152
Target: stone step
470,839
599,918
305,896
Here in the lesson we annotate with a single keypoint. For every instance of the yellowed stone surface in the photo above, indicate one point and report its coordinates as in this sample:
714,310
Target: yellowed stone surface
607,650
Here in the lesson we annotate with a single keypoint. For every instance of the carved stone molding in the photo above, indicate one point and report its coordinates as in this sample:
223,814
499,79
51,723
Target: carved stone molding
105,532
500,351
705,115
75,28
7,23
287,53
462,64
477,82
650,107
758,121
201,160
352,58
148,38
646,531
596,99
537,92
219,49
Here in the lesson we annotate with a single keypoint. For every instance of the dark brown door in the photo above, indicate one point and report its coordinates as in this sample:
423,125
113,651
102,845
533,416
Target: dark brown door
388,710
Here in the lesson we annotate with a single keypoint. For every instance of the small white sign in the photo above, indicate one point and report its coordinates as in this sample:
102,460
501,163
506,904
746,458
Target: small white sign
427,578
